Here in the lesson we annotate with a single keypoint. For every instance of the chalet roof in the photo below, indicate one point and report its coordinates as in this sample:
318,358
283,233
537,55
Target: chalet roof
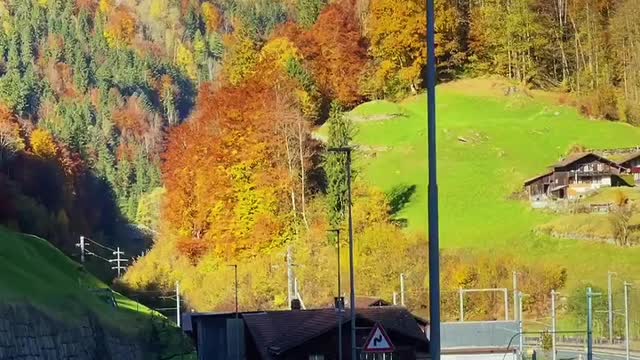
581,155
276,332
534,179
369,301
628,158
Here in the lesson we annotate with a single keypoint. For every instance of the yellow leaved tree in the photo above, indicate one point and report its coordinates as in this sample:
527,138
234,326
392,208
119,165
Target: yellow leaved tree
397,32
43,144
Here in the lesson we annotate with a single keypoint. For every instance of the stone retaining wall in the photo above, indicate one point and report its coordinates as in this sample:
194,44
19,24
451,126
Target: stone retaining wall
26,333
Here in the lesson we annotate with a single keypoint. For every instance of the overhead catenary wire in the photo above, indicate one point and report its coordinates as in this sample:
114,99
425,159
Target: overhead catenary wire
100,245
98,256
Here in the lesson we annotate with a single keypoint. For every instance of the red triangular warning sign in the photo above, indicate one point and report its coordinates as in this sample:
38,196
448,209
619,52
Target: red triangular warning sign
378,341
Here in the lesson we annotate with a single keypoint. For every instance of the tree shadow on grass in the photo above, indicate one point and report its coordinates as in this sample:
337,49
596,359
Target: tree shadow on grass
399,196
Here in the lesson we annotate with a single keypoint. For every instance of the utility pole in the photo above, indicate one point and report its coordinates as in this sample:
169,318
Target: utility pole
235,272
626,319
119,261
339,310
81,245
433,207
402,289
610,300
515,295
590,296
178,316
553,324
352,278
520,325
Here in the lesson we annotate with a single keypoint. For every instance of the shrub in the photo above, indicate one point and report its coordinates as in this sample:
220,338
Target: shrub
600,103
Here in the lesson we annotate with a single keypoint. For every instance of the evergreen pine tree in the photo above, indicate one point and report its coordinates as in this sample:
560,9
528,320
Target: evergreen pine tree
309,10
335,166
13,55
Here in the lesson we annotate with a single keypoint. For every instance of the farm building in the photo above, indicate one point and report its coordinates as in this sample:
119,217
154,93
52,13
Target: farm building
305,334
576,176
632,165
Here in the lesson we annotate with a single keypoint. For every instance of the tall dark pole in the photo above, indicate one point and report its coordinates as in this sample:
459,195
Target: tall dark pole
352,277
434,234
235,269
351,267
339,310
337,232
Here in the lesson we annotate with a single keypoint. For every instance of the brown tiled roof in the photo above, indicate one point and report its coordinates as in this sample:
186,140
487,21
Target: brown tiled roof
276,332
581,155
629,157
533,179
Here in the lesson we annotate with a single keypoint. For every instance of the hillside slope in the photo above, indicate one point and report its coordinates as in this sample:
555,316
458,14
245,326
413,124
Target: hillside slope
37,278
488,145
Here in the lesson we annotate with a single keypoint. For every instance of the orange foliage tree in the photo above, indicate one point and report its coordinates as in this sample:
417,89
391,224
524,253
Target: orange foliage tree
211,15
10,137
121,27
335,51
223,178
138,125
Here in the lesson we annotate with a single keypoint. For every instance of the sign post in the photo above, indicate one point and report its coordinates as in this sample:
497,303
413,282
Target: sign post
378,341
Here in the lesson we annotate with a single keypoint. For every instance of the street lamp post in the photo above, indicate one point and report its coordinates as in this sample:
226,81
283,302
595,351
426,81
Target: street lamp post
434,233
339,310
352,280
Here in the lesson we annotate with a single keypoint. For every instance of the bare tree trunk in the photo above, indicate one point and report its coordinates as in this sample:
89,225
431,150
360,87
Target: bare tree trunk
577,48
562,5
303,174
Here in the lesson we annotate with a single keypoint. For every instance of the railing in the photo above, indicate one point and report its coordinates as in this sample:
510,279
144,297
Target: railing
590,173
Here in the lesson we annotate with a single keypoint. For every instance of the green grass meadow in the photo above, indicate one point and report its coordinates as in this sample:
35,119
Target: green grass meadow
35,273
487,146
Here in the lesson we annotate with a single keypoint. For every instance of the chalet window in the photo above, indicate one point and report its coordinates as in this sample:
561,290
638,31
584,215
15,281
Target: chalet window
316,357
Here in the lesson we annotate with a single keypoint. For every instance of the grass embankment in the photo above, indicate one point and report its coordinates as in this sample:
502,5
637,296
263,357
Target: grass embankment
35,273
488,144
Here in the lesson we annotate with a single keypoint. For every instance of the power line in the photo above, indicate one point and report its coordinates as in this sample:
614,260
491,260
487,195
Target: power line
102,246
96,255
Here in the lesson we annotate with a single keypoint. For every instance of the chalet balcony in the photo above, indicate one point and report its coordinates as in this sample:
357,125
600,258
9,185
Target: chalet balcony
582,173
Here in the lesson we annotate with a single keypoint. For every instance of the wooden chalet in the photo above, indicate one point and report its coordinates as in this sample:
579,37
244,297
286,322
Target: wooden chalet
305,334
575,176
632,165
